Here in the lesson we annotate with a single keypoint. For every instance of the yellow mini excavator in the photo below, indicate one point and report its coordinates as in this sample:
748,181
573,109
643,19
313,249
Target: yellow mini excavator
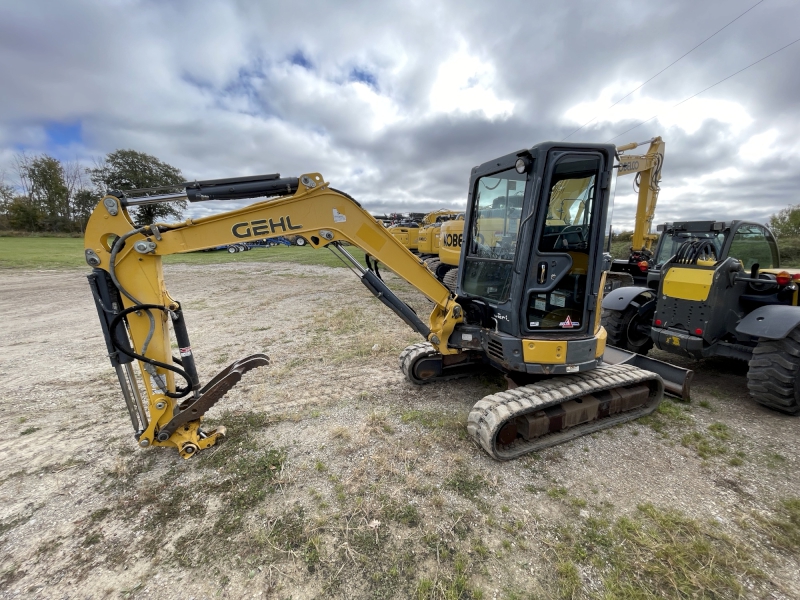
527,301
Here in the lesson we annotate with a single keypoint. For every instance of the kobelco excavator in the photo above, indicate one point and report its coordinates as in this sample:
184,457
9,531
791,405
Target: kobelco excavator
527,302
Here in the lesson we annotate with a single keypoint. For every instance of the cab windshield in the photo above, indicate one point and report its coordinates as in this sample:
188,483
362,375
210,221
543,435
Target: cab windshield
671,243
495,226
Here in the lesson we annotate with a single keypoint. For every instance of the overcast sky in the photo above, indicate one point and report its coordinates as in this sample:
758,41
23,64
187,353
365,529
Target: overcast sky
395,102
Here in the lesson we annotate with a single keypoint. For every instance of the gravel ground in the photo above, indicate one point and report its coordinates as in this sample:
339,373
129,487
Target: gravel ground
376,491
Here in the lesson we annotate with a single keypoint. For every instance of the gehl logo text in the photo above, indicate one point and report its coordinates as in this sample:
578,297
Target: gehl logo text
263,227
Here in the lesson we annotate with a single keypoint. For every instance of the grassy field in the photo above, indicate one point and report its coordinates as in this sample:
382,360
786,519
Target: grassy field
61,252
64,252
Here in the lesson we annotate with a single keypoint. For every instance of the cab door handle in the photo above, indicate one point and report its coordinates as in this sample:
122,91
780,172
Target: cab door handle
542,273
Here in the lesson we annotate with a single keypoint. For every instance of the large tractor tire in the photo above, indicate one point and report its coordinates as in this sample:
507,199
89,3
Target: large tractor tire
627,330
774,375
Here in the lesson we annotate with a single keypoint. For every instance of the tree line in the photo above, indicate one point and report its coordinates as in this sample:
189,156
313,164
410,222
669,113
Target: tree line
54,196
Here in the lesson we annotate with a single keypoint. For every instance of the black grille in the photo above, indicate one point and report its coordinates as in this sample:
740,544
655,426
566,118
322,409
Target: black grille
495,349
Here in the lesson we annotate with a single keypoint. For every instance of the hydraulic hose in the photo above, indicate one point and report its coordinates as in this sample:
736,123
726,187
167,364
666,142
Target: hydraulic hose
180,392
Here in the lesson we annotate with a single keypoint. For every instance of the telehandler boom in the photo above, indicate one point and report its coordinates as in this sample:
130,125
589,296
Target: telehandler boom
528,299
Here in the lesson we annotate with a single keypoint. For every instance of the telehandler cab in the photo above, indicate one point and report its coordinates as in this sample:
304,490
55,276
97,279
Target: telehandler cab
527,303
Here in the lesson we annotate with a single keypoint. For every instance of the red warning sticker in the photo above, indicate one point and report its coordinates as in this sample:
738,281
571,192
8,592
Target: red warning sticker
186,351
569,323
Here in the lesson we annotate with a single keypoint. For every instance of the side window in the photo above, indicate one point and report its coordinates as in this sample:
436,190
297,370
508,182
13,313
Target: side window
751,245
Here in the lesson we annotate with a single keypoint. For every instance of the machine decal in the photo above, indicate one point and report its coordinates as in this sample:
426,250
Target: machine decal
540,304
186,351
262,227
338,217
453,240
557,299
533,324
673,340
569,323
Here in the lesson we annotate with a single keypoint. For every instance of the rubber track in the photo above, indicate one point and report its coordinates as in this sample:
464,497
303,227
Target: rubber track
415,352
773,374
489,415
449,279
410,355
432,263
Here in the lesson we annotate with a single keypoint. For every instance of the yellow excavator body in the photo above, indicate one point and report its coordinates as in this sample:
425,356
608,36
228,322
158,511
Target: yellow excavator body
532,323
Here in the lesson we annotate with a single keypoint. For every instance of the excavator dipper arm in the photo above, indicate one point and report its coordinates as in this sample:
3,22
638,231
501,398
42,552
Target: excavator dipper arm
136,309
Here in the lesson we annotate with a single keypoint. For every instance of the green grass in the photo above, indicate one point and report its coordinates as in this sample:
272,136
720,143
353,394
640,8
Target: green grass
41,253
659,553
61,253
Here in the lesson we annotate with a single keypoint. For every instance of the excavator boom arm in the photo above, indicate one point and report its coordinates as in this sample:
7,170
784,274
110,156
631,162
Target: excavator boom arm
648,167
128,261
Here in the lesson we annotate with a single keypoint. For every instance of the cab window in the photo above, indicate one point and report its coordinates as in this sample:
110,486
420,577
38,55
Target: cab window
493,241
751,244
567,229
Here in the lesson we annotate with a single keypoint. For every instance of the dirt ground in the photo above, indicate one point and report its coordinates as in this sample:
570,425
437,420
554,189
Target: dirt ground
341,479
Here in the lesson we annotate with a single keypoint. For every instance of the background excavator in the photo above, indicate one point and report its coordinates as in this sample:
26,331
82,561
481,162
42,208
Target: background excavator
527,302
647,168
417,235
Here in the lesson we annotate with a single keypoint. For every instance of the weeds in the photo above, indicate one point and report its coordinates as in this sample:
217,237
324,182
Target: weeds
783,530
668,413
656,553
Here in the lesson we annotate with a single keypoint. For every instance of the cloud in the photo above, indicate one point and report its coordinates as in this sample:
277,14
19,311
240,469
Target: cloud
395,102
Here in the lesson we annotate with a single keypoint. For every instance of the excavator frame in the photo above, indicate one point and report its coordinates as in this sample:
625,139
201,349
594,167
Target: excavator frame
137,311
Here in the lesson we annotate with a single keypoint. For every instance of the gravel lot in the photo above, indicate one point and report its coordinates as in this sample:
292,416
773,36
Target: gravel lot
340,479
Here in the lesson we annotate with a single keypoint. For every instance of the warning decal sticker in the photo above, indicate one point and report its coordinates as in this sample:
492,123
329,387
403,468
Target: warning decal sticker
569,323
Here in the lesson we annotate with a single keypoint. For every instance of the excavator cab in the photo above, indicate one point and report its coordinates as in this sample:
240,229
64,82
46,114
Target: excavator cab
534,278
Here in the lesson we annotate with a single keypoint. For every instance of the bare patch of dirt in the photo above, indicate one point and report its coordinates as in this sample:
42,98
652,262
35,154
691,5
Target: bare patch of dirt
341,479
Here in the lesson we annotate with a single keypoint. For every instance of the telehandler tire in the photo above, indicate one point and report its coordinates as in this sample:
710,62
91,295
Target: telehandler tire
623,328
774,374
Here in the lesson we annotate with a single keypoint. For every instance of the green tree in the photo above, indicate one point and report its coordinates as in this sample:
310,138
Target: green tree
45,187
786,223
132,170
83,204
6,198
24,215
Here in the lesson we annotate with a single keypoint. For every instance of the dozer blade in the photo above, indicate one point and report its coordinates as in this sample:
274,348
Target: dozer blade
676,379
537,416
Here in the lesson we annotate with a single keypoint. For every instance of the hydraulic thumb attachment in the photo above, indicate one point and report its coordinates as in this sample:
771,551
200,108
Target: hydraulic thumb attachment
171,424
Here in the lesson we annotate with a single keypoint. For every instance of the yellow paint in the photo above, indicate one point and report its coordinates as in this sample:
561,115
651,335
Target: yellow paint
546,352
601,337
688,284
598,310
372,238
450,254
